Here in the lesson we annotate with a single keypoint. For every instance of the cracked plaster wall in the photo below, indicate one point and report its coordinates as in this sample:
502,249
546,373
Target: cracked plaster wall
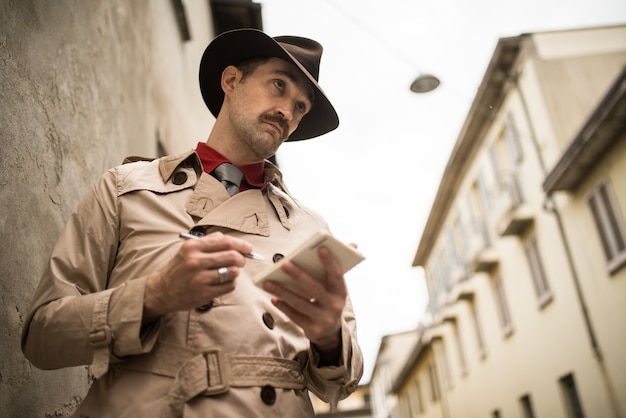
82,85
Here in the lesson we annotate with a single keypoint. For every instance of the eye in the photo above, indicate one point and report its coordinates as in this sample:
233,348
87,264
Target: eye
301,107
280,84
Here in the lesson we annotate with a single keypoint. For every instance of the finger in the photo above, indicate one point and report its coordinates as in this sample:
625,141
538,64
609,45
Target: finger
217,241
197,260
300,303
310,287
335,282
224,275
317,326
302,319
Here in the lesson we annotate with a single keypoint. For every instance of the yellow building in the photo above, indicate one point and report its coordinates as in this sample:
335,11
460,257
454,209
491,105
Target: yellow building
391,358
524,249
357,405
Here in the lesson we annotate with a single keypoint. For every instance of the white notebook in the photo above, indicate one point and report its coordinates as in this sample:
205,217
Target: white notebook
305,256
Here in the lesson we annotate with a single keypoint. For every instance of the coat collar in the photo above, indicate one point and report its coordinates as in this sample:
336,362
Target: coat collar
169,164
212,205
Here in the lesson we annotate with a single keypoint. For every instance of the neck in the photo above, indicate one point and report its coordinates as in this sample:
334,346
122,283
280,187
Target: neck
222,140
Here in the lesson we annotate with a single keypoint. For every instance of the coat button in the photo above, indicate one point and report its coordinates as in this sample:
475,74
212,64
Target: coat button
198,231
268,395
277,257
179,178
205,308
268,320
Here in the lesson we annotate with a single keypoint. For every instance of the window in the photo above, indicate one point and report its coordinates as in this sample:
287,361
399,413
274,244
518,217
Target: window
458,269
478,207
494,158
459,344
416,405
446,259
439,280
502,306
505,153
459,230
482,350
609,225
451,247
472,206
515,190
434,383
527,407
441,364
420,401
460,242
483,195
511,140
570,396
542,288
404,409
433,306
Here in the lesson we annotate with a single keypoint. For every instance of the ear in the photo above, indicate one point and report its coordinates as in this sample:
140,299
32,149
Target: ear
230,76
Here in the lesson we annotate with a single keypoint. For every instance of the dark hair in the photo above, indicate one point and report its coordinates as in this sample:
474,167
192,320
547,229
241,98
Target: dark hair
248,66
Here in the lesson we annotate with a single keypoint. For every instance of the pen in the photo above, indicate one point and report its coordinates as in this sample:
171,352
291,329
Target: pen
253,256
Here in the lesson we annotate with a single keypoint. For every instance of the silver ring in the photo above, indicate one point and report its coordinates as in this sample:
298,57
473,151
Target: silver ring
223,273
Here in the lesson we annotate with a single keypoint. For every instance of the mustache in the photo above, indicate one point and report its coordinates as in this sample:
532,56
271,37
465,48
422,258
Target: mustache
276,119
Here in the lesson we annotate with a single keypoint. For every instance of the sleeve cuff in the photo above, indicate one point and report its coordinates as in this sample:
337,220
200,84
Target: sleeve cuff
130,336
333,383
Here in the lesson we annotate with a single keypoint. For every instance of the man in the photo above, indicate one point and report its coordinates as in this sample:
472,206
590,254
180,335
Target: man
176,327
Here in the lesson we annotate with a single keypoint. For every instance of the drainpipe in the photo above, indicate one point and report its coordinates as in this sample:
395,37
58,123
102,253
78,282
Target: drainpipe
551,206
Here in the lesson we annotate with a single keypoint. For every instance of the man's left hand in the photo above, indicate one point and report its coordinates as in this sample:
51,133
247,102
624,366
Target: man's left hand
320,315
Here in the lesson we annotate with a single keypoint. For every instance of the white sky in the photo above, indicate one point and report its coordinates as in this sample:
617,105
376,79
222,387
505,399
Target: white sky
372,52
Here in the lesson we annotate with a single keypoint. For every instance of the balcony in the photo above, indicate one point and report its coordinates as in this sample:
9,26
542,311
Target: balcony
515,221
459,273
481,254
462,292
512,213
484,260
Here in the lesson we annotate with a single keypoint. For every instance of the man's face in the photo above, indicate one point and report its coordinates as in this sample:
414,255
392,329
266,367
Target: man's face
267,105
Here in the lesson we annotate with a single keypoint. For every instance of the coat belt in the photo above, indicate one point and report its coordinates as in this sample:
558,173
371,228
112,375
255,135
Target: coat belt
210,372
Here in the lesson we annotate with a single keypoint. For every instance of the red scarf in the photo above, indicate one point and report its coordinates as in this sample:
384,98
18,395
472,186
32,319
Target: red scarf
253,176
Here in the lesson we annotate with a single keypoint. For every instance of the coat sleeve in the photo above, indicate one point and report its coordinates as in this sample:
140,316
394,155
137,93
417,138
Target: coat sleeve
334,383
74,318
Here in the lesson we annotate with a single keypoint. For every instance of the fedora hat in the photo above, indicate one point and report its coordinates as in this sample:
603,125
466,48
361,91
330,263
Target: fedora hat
236,46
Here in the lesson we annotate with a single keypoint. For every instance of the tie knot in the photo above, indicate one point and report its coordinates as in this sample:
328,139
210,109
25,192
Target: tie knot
230,176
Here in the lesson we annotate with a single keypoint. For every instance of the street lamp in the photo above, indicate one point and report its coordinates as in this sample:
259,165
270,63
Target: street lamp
424,83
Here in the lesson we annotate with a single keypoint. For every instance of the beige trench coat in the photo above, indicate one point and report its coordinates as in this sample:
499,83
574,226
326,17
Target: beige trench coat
240,358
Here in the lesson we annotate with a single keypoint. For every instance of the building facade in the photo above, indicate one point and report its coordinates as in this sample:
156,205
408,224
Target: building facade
357,405
524,249
392,357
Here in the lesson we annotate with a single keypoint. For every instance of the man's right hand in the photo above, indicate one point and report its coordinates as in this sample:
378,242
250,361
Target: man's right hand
191,278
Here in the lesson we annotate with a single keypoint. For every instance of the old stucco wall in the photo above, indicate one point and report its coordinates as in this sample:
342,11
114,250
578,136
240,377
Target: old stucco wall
82,84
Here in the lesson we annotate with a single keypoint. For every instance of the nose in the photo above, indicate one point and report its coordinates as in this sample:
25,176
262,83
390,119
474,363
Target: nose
285,114
285,109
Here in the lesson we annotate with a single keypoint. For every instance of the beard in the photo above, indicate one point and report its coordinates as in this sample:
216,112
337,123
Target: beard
251,135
